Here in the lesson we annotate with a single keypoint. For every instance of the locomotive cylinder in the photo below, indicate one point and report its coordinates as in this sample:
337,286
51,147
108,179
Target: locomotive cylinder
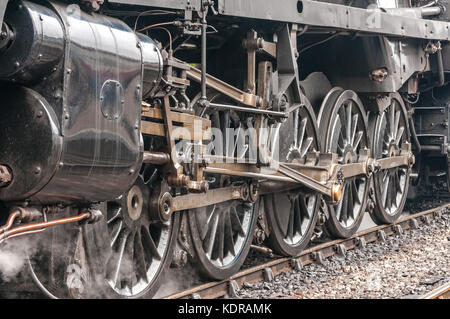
70,117
33,42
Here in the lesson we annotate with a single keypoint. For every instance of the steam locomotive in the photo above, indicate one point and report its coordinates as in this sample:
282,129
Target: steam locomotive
136,135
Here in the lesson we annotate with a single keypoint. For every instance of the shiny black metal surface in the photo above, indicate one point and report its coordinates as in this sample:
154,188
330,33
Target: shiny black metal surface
30,144
102,150
38,43
94,93
153,62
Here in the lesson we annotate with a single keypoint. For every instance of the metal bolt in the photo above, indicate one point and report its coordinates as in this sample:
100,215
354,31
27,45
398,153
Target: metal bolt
40,113
37,170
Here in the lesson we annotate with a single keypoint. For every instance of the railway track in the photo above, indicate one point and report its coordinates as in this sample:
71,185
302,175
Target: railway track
316,254
267,271
442,292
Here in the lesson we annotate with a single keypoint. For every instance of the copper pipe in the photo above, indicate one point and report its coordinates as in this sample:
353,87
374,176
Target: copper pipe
41,226
31,232
12,217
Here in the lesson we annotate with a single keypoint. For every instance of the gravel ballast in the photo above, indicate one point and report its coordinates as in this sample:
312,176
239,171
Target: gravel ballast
401,267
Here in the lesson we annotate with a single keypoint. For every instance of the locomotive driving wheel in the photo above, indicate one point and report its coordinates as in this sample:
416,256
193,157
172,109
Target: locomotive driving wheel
129,251
222,234
292,214
344,131
390,131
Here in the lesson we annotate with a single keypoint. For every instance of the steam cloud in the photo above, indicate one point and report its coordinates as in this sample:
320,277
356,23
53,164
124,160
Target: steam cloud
13,256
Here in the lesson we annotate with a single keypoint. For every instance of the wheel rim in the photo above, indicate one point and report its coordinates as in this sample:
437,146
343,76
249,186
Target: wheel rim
138,246
223,230
292,213
391,184
347,136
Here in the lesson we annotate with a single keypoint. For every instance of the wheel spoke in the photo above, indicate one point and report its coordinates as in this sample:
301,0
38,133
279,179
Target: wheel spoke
357,141
211,236
385,188
302,130
350,202
219,245
397,122
388,192
298,215
117,228
338,209
229,241
399,135
115,216
119,258
308,143
290,232
354,126
128,266
304,208
348,107
207,223
236,223
344,213
150,244
391,119
140,257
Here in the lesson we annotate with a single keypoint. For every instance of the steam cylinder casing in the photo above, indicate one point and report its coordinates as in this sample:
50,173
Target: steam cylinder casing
103,67
37,46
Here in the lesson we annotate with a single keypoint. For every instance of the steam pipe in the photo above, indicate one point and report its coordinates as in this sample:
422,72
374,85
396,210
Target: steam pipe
9,233
12,217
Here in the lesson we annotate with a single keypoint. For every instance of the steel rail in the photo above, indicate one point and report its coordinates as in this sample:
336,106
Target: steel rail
314,254
442,292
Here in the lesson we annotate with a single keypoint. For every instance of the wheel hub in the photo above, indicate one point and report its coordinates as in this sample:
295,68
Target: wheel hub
135,201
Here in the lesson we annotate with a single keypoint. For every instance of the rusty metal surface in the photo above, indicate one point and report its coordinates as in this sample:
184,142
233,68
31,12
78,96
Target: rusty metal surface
5,175
220,289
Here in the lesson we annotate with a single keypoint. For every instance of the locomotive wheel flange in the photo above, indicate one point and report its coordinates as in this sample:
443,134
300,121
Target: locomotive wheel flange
344,131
